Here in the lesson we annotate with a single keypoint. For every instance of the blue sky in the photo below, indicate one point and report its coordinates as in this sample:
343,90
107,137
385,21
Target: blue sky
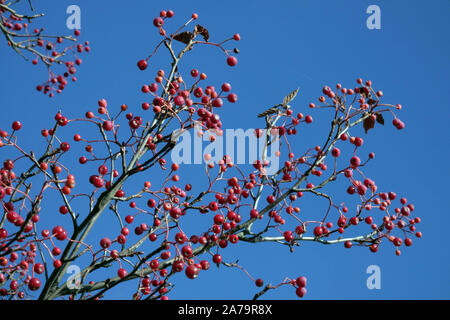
285,45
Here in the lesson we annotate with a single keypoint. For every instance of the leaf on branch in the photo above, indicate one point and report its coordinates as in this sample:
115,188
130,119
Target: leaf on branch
368,124
364,92
371,101
268,112
380,118
275,109
290,97
201,31
184,37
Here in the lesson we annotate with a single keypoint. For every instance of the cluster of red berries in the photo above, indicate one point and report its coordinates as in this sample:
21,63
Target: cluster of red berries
159,23
364,98
229,201
48,49
26,225
237,191
27,263
300,283
209,98
57,83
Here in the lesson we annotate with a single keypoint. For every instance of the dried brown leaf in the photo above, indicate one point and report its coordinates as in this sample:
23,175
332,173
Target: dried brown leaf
364,92
184,37
371,101
380,118
201,31
268,112
290,97
368,123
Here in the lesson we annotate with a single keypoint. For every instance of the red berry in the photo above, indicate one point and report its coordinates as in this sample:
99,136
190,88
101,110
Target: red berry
355,161
186,251
226,87
232,61
254,213
354,221
232,97
65,146
8,164
105,243
204,264
217,103
259,282
34,284
192,271
179,100
213,206
217,258
158,22
122,273
107,125
102,103
57,264
359,141
61,236
194,73
351,190
39,268
16,125
301,282
335,152
392,195
301,292
318,231
63,210
142,64
97,181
